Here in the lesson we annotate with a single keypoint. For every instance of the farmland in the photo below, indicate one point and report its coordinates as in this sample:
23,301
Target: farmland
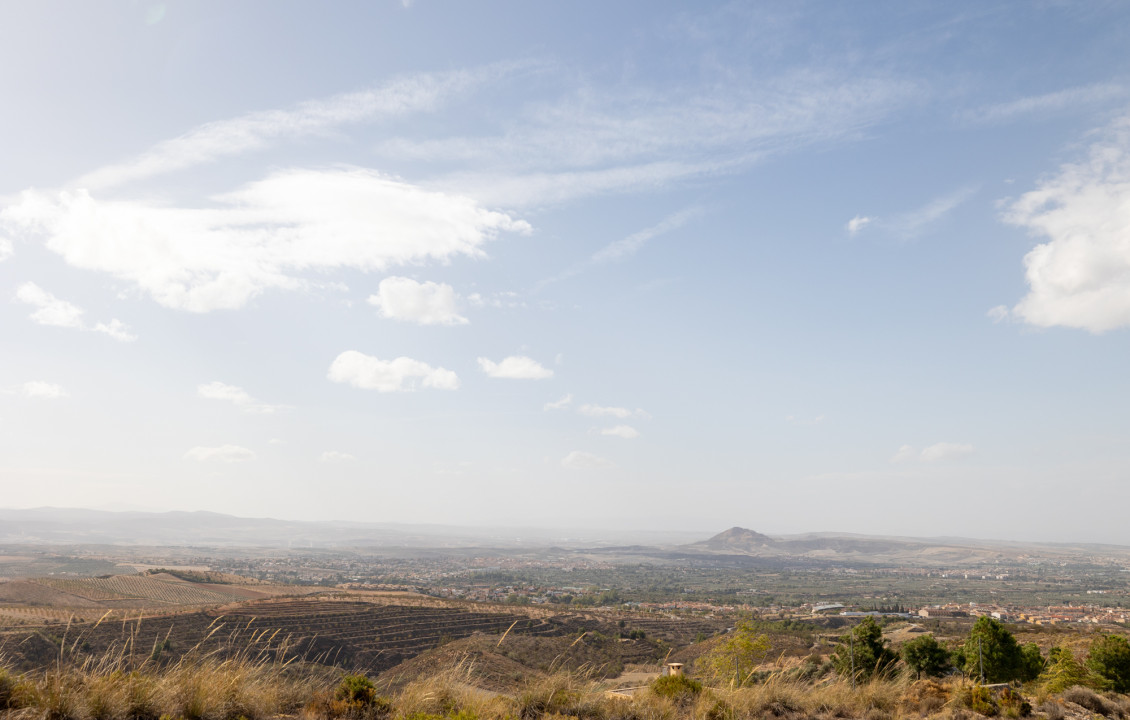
364,631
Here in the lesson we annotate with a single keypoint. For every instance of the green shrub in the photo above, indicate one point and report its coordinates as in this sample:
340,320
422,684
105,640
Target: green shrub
978,699
359,696
1110,659
676,687
1012,704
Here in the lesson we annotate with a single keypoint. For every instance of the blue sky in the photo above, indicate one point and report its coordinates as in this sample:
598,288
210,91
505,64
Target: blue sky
792,266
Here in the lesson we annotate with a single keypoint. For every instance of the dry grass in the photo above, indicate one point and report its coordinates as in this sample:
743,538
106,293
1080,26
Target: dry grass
248,683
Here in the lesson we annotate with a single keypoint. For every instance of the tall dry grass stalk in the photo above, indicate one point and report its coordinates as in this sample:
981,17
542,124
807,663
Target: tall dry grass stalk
245,676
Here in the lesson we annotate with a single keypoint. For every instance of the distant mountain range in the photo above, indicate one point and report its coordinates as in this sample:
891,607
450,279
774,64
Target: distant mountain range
67,526
846,547
61,526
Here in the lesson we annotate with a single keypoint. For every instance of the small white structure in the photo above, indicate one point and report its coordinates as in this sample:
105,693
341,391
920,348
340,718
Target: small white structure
674,669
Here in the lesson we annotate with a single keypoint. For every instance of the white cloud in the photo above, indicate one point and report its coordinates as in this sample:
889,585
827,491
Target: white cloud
115,329
904,454
616,412
262,236
50,309
504,299
427,303
857,223
224,453
515,367
1068,99
41,389
333,456
630,245
945,451
621,431
6,249
580,460
402,374
910,224
998,313
258,130
797,420
558,405
600,142
237,396
1080,277
934,453
60,313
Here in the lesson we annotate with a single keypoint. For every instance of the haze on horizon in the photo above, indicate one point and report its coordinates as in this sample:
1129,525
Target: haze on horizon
789,266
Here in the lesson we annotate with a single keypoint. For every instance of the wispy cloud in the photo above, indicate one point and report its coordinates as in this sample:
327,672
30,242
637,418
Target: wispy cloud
581,460
515,367
610,411
223,453
626,432
334,456
559,404
51,310
934,453
1047,103
259,130
912,223
236,396
857,223
614,141
628,246
37,389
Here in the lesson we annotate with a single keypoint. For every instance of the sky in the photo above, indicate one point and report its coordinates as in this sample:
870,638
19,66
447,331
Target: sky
792,266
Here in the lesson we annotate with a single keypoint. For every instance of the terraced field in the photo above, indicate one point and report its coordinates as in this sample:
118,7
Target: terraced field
46,599
369,636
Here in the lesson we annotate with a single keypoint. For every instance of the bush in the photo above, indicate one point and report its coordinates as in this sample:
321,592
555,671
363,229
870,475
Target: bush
1110,659
356,696
7,685
978,699
676,687
1053,710
1092,701
1012,704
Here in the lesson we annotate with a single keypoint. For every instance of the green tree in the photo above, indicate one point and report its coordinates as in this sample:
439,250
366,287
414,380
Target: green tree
735,658
993,649
1110,659
1064,671
925,656
864,651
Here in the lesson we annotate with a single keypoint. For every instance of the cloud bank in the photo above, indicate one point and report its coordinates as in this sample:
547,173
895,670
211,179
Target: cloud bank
262,236
1080,277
